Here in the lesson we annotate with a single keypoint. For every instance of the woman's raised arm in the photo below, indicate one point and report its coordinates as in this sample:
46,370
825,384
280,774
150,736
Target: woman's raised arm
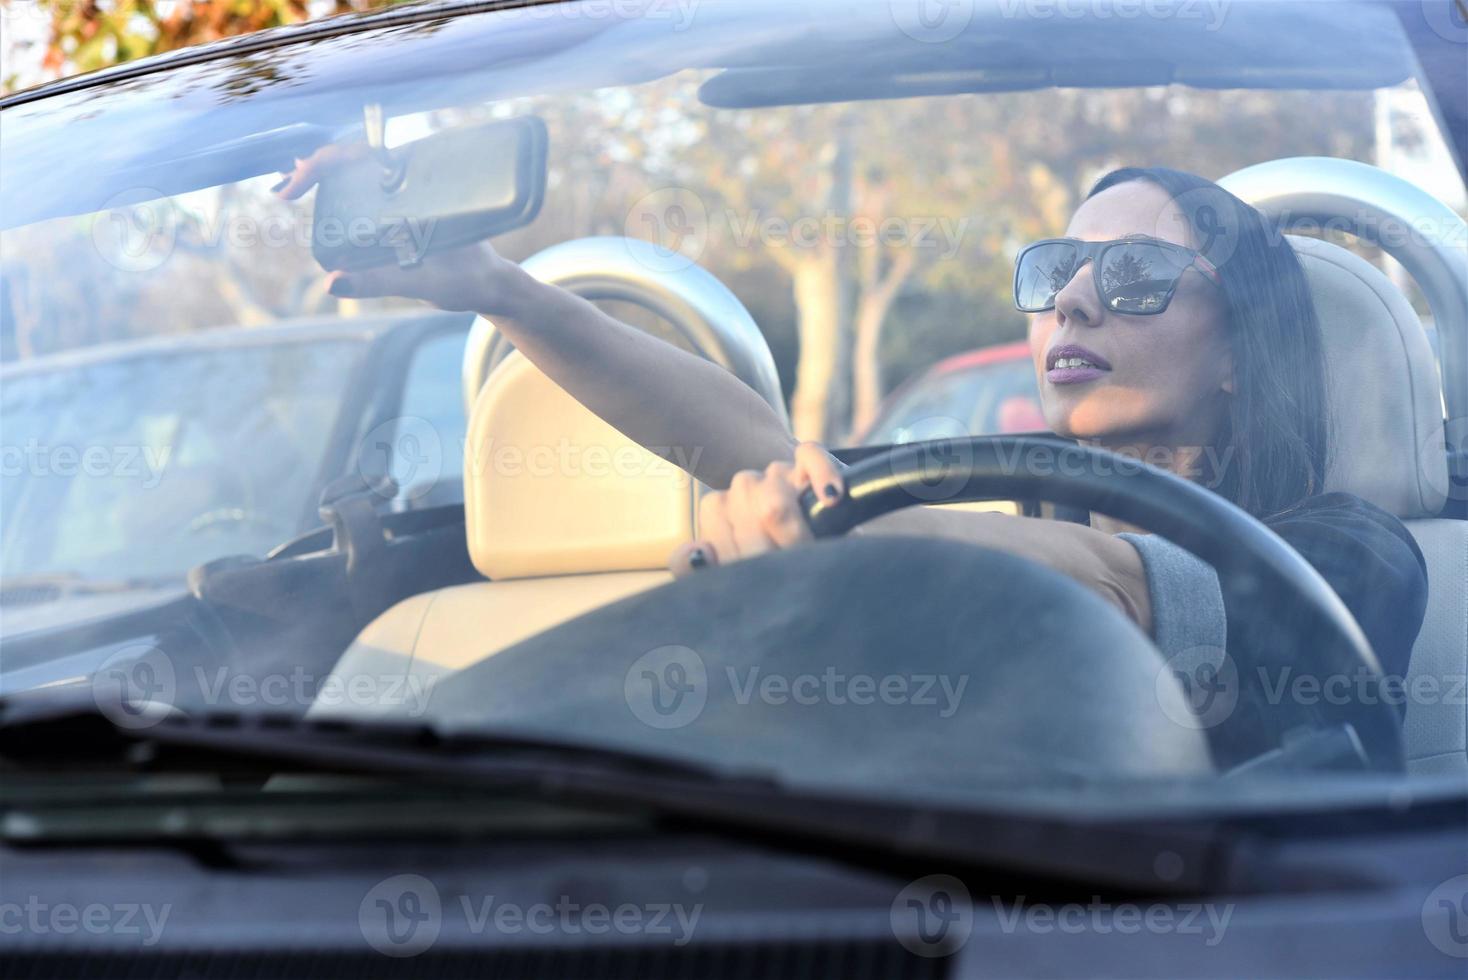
698,415
693,412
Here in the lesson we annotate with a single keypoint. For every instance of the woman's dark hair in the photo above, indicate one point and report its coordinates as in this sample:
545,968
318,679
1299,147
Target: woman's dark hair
1273,449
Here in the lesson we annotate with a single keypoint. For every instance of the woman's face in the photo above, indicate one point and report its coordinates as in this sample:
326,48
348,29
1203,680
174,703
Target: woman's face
1170,374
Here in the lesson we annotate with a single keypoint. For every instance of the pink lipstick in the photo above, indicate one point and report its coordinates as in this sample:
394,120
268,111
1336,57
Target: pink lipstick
1071,364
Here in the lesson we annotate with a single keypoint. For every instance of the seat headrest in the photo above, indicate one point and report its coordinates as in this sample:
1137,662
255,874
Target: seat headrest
551,489
1383,391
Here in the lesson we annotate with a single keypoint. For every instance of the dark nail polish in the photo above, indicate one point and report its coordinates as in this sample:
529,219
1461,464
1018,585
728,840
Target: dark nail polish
697,559
831,492
278,187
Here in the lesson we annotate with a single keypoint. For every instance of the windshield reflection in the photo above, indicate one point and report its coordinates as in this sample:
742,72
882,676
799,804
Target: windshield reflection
146,465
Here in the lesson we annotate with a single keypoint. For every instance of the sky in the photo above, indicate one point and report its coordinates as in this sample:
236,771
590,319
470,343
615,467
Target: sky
22,40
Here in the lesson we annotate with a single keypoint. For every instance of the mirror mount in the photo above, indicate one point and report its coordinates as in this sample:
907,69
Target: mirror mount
374,127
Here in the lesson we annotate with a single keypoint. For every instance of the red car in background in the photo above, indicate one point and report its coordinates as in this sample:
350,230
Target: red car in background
988,391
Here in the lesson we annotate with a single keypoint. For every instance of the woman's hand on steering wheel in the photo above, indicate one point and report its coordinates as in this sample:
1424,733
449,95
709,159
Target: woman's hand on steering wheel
760,511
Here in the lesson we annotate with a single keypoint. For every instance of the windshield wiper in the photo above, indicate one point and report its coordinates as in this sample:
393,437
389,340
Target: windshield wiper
51,732
1033,846
64,727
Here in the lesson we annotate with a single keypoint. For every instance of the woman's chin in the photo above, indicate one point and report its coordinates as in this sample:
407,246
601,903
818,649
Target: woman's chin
1096,415
1081,425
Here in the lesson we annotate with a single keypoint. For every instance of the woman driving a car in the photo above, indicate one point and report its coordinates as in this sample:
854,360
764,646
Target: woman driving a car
1170,323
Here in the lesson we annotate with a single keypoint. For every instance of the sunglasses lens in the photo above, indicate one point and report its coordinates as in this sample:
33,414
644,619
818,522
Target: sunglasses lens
1043,271
1138,278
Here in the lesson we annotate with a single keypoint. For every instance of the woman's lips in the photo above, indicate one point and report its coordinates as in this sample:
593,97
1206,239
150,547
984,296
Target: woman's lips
1071,376
1064,367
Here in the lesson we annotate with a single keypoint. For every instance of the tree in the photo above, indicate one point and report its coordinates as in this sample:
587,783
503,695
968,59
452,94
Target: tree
84,35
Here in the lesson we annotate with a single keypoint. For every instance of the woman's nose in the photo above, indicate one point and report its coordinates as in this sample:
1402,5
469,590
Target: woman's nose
1077,299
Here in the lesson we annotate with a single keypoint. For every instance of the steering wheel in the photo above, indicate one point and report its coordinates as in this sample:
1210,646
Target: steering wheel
1256,569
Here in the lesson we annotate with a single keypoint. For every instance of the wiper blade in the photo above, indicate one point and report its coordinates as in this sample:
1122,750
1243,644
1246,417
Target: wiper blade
63,727
862,830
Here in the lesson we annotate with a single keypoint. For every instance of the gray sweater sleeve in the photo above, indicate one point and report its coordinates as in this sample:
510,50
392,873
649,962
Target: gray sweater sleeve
1187,604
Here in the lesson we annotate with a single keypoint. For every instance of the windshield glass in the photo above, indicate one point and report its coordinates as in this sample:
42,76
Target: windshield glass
992,397
145,465
183,381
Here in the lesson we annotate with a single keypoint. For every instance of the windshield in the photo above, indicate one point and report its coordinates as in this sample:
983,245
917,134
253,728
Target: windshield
993,397
145,465
183,380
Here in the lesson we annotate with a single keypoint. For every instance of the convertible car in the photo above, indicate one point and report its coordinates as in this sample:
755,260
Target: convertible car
422,696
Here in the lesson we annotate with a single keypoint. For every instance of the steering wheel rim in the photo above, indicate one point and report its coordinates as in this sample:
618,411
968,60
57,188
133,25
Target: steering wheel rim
1251,560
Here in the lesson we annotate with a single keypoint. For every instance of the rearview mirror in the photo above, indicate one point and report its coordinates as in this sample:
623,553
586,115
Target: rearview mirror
441,192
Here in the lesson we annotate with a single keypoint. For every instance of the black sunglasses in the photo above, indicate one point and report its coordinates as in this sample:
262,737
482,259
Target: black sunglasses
1135,276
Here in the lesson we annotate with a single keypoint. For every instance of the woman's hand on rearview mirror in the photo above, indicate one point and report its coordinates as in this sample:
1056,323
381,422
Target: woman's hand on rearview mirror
309,170
473,278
